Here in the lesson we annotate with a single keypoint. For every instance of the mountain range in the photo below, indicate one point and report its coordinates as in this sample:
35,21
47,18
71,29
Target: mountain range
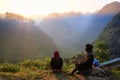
71,31
20,38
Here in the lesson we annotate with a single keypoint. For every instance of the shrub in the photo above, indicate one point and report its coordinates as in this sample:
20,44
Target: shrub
39,64
116,73
9,67
68,67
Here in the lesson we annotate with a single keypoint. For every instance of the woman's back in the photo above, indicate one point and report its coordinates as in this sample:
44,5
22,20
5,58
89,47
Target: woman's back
56,61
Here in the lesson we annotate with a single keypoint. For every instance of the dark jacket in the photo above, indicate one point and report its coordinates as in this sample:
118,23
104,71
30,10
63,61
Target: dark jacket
56,63
87,63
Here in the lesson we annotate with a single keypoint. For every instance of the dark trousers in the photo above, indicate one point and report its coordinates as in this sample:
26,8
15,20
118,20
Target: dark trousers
80,67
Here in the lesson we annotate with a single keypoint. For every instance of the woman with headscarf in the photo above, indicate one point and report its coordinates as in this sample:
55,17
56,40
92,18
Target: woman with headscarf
56,62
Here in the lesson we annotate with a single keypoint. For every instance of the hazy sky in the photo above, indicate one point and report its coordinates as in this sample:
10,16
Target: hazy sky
43,7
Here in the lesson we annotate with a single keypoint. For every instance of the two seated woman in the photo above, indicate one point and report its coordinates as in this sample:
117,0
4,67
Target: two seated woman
87,62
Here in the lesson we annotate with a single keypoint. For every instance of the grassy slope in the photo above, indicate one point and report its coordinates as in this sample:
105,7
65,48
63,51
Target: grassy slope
40,70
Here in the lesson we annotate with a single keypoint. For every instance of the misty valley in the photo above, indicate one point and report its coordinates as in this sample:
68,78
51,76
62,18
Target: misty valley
22,38
27,45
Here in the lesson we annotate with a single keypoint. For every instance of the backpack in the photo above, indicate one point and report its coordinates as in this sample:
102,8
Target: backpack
96,62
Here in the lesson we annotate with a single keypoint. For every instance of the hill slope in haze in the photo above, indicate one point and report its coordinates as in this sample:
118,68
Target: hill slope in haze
111,36
58,29
20,39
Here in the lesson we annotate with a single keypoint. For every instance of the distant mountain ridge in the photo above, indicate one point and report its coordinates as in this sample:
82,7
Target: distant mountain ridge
111,8
111,36
101,18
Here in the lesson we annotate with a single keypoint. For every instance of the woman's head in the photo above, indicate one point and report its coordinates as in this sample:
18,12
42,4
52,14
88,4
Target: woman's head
56,54
88,48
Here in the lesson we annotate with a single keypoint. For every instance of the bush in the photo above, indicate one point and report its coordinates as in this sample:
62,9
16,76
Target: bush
116,73
101,51
68,67
9,67
39,64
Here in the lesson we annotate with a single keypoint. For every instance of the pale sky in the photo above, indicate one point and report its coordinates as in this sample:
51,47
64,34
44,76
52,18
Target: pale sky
43,7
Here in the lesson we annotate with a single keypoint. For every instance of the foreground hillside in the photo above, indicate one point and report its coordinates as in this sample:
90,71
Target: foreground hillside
47,75
40,70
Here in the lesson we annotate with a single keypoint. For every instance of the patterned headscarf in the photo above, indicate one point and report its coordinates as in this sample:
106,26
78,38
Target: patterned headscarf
56,54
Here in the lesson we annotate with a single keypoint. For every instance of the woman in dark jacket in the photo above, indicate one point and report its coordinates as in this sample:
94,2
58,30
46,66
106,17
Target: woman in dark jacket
56,62
87,61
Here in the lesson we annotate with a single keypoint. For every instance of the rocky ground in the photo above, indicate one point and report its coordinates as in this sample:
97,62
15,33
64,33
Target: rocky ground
49,75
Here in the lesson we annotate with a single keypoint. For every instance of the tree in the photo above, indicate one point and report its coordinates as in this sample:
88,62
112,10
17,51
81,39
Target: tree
13,15
101,51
